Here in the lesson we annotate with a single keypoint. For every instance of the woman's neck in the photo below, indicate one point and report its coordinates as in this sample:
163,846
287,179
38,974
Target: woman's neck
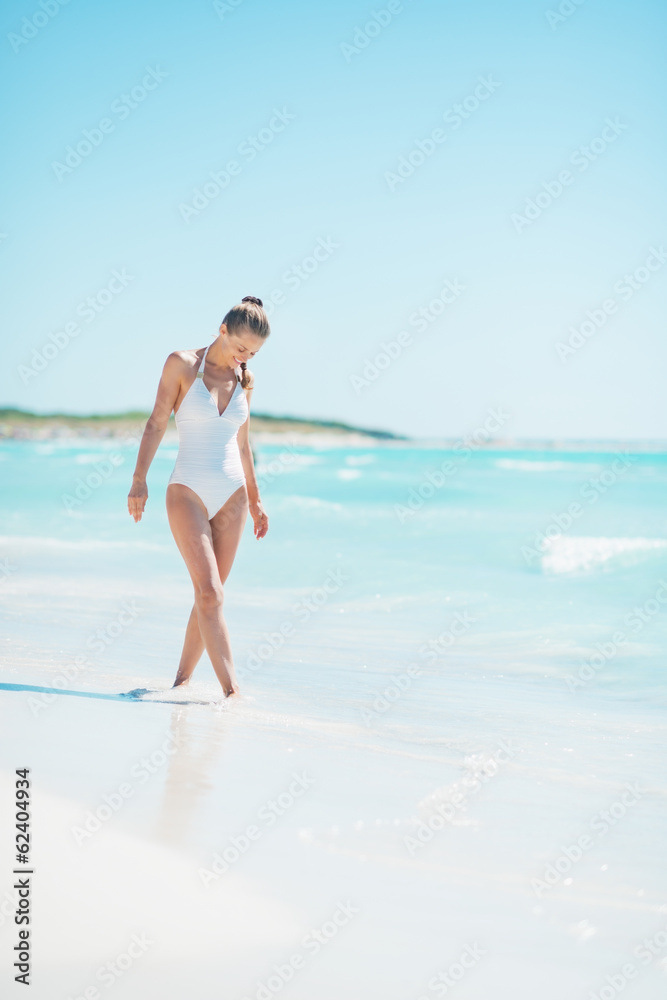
216,354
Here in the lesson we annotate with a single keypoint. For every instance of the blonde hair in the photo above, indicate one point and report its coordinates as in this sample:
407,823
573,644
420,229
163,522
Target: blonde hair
248,315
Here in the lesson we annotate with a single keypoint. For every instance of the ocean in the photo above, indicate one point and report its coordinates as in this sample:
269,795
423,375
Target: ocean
446,775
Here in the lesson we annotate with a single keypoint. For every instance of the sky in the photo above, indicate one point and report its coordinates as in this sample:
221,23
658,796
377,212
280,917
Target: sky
453,210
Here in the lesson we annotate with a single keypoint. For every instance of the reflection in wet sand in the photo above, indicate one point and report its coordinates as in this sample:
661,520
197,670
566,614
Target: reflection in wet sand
198,737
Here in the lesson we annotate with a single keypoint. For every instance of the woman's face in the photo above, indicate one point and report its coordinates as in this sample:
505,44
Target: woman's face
241,346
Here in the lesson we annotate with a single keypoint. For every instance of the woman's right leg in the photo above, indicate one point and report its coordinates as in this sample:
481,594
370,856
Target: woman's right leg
193,648
192,532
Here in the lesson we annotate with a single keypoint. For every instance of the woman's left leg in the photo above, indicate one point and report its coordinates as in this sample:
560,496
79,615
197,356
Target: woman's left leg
226,528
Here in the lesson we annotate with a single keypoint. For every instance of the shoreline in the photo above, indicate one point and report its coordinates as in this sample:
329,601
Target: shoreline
22,425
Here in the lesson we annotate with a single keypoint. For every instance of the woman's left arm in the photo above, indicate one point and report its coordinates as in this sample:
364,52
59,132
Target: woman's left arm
257,512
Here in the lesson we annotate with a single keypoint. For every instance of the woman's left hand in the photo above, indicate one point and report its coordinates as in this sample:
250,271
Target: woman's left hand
260,519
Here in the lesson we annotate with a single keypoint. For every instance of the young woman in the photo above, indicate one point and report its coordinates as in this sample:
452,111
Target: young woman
213,484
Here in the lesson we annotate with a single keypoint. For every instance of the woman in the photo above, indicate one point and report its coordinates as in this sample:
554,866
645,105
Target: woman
213,483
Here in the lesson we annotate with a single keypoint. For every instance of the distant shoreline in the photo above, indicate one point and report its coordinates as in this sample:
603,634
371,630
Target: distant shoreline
23,425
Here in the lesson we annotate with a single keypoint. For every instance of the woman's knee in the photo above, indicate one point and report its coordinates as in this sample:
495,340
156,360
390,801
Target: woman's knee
209,595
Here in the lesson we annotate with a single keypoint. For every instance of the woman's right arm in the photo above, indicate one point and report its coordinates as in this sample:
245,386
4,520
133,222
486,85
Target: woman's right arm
167,394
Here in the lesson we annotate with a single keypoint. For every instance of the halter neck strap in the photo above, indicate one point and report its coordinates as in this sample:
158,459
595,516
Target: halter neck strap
202,363
200,371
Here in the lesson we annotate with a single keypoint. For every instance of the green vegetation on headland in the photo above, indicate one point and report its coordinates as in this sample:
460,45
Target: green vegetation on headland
23,424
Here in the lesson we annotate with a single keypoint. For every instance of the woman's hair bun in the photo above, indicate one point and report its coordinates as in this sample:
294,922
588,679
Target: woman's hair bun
252,298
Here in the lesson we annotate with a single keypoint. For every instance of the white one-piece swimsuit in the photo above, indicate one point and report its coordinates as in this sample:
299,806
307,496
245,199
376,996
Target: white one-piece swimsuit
209,460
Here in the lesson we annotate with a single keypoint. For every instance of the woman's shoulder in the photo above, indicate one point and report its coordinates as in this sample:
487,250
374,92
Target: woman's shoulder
183,360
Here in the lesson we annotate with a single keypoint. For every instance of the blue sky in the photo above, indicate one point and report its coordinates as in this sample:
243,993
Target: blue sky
330,125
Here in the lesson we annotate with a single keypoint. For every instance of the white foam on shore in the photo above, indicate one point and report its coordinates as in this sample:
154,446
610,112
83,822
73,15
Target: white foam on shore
90,458
577,554
318,439
535,465
23,542
311,503
292,462
175,696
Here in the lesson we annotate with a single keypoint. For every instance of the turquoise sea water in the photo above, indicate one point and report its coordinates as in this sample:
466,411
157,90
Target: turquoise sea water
494,641
497,538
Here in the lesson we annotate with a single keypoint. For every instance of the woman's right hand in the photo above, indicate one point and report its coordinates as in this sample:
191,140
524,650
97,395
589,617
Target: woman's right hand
136,498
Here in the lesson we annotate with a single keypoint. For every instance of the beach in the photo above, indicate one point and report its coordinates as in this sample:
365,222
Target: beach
444,775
